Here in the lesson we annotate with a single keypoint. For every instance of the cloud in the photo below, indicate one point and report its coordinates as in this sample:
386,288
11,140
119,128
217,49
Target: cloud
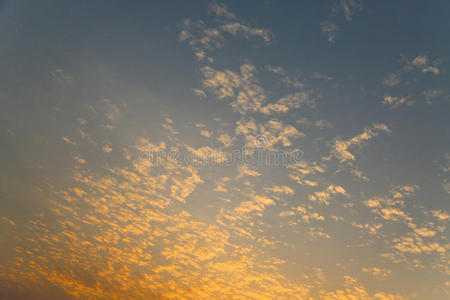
276,70
393,214
204,155
107,148
274,108
303,214
110,110
391,207
280,189
247,31
425,232
402,191
79,160
347,7
246,95
374,202
377,272
415,245
431,69
431,95
199,92
288,102
243,89
370,228
206,38
257,203
324,196
417,237
251,95
8,221
202,40
203,131
394,102
419,63
392,79
318,232
322,124
423,64
330,29
206,133
61,76
244,170
446,185
304,121
222,83
67,140
341,148
273,133
303,172
317,75
226,140
440,215
221,10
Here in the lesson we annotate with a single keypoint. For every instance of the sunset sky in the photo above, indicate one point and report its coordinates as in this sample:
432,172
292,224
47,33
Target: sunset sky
131,134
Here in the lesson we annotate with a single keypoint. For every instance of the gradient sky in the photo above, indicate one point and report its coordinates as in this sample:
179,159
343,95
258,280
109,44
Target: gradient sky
92,91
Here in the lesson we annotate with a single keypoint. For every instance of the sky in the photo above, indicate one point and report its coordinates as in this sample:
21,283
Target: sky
224,149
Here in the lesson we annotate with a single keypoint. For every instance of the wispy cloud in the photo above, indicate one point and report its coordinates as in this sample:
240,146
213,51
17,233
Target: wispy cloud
330,29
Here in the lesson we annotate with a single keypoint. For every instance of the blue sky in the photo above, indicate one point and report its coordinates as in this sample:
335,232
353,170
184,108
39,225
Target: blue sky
93,91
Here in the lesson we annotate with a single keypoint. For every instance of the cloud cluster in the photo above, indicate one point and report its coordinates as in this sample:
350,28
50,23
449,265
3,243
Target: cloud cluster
341,147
